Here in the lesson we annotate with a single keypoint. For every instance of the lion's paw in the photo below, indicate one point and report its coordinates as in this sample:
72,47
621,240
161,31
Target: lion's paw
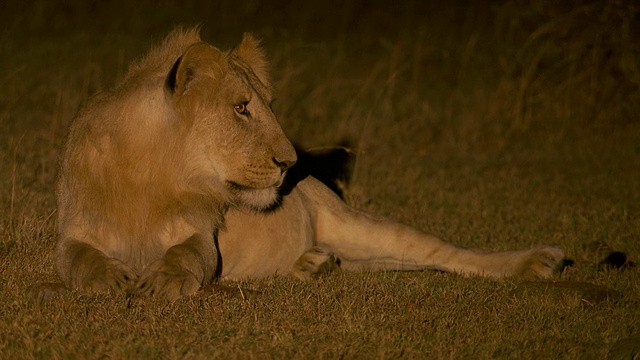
166,280
44,292
113,276
542,262
314,262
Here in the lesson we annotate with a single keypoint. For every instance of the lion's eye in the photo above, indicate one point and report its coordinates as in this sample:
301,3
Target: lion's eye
242,109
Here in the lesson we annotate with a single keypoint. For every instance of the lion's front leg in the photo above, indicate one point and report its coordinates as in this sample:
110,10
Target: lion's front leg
85,268
183,269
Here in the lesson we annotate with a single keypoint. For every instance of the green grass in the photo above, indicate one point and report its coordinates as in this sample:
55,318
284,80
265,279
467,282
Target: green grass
498,127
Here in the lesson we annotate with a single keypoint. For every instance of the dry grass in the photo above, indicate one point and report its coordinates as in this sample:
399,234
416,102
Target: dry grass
498,126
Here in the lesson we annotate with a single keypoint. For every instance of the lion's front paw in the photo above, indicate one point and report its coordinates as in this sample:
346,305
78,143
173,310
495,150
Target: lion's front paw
314,262
167,280
113,275
542,262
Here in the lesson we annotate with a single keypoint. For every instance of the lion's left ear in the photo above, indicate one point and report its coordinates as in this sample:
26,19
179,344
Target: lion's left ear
198,61
250,52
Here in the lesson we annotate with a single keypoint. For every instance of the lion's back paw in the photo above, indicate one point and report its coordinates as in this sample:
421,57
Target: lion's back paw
314,262
46,291
542,262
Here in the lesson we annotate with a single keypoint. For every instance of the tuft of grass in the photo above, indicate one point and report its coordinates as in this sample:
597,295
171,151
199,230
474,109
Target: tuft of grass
497,126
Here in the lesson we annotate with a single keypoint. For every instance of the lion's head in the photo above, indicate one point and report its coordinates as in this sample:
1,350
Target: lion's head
231,132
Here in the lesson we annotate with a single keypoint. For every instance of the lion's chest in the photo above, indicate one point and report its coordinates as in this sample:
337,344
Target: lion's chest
139,250
258,245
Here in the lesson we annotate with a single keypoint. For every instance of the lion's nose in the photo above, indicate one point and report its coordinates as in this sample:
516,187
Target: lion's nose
284,165
284,155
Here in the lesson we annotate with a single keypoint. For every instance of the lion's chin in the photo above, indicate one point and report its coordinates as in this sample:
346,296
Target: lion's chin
255,199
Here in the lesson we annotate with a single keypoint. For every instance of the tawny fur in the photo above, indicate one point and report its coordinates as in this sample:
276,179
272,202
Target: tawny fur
187,143
150,167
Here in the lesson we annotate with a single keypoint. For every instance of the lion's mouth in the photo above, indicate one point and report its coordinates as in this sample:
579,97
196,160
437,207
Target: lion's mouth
239,187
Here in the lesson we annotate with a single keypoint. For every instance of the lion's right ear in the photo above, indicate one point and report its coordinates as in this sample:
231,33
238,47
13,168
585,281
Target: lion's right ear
250,52
199,60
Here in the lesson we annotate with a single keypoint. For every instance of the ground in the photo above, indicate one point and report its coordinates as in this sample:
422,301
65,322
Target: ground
499,126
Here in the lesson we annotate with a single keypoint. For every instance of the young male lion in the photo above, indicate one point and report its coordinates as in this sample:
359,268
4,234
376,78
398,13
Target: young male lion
187,142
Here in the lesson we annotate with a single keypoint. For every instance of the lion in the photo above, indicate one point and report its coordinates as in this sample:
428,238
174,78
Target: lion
178,176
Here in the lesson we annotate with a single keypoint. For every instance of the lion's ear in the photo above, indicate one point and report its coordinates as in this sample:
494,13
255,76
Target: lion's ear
199,60
250,52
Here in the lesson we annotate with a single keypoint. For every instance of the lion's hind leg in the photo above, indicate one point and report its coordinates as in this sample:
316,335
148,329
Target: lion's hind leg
541,262
313,263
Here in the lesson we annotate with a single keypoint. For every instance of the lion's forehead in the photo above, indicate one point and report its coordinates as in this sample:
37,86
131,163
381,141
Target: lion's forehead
249,79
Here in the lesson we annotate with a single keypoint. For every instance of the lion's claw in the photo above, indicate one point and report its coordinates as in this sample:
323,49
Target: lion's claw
166,280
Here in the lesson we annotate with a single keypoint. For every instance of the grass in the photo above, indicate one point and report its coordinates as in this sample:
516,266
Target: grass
499,126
